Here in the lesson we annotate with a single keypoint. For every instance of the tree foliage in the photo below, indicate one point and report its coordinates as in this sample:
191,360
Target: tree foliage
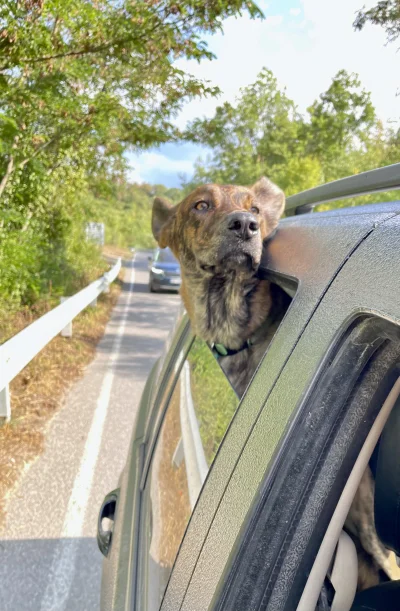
264,133
81,81
126,211
386,14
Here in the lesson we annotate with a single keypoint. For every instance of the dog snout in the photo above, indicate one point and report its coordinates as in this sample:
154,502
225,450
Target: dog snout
243,224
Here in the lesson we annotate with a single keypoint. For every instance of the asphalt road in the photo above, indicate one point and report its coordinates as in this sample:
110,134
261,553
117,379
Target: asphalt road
49,559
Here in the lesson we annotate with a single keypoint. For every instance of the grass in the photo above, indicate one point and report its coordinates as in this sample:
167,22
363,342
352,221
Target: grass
37,392
214,399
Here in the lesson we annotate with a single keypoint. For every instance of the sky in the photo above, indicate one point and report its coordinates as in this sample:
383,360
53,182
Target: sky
305,43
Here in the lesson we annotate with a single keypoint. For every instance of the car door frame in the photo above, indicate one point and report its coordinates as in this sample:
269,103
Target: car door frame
290,258
347,302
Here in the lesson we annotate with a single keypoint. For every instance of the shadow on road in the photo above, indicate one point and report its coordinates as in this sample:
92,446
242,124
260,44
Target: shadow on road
25,567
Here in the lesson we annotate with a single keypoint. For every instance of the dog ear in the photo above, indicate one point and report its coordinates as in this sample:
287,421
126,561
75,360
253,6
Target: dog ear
161,221
272,199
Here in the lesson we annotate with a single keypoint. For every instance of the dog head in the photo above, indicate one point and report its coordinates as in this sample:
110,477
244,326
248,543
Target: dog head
218,228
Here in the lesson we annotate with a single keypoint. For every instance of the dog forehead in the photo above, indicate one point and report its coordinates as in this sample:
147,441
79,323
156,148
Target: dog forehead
223,195
233,195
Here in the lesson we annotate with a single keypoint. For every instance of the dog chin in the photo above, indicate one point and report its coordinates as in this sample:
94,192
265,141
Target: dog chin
233,261
239,261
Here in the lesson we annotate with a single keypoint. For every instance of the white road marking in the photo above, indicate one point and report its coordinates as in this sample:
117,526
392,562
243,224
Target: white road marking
62,570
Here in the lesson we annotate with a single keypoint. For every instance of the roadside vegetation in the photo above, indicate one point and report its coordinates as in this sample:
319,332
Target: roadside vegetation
215,402
81,83
126,211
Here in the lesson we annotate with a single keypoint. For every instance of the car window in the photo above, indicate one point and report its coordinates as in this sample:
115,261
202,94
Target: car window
198,415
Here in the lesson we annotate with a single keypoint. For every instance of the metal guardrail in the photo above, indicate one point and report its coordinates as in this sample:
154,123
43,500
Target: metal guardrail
373,181
18,351
190,447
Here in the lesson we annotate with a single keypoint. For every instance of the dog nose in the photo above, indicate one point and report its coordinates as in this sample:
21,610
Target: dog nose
243,224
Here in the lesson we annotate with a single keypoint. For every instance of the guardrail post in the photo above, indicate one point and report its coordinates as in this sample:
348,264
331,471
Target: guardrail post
107,283
5,403
179,454
193,451
67,331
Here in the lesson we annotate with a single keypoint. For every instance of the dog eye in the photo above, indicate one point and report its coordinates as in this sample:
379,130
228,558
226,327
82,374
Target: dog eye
255,210
202,206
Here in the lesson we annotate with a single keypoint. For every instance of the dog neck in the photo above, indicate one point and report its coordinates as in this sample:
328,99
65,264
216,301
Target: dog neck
226,309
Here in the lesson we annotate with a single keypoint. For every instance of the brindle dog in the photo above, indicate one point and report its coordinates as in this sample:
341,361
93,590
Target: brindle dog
217,234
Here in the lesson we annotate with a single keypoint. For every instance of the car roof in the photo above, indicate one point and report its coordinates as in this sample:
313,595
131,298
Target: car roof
371,209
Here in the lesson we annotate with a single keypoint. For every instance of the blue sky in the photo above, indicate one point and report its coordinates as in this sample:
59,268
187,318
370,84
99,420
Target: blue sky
304,43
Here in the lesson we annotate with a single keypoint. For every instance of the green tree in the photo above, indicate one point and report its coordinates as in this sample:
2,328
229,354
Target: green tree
81,81
263,133
386,14
340,121
98,72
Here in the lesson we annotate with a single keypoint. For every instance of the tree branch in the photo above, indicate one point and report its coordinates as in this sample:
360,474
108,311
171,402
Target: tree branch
9,171
96,49
76,53
10,168
27,221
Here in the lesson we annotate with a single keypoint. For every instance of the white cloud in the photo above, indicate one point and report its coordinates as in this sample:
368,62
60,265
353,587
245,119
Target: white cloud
273,20
295,11
151,161
146,167
135,176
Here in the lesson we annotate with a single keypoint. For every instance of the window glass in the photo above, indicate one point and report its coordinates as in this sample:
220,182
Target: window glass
199,412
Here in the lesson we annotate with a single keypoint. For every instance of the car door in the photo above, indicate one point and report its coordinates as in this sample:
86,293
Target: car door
305,256
281,497
290,262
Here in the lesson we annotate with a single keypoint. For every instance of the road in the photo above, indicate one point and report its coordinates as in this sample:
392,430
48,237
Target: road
49,559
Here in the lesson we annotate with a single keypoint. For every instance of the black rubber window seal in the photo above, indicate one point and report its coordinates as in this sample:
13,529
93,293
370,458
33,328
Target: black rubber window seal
283,532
